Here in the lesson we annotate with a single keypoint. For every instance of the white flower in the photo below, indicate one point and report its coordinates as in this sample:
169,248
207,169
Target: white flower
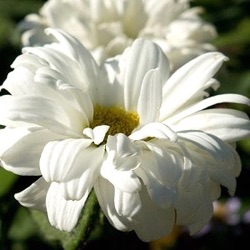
107,27
148,143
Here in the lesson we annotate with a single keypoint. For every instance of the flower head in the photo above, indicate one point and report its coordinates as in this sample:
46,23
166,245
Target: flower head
149,144
107,27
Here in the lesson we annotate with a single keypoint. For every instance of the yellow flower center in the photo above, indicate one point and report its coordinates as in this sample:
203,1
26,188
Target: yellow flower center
119,120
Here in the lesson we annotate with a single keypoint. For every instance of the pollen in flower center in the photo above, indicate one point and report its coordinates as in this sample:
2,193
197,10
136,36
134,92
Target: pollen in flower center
119,120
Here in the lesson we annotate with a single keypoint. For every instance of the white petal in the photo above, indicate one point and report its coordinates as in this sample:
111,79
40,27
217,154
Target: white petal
21,148
162,195
122,158
17,85
55,86
153,222
134,9
187,81
88,73
83,174
97,134
105,195
162,161
121,151
127,204
78,188
48,113
154,129
111,69
194,208
150,98
164,12
224,98
220,160
227,124
140,58
69,51
60,157
62,214
126,181
79,99
41,80
35,195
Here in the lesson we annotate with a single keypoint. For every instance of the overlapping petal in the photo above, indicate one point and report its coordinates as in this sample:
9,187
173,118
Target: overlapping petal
200,105
83,175
150,97
227,124
122,158
161,221
188,81
215,152
194,208
105,194
62,214
50,114
35,195
141,57
22,148
60,157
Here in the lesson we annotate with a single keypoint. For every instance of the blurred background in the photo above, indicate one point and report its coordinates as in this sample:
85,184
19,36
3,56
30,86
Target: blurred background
230,226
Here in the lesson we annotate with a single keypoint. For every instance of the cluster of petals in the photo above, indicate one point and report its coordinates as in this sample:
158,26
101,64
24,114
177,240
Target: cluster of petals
166,172
107,27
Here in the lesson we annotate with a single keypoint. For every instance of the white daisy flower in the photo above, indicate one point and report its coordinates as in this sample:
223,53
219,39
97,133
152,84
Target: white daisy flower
107,27
149,144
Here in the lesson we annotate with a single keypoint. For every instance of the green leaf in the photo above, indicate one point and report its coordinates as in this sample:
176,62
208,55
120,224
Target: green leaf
23,226
7,179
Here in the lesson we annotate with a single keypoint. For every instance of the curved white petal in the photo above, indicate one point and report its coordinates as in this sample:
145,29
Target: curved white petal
26,66
227,124
187,81
41,80
79,99
89,73
161,161
40,111
78,188
111,69
21,148
162,195
154,129
69,51
150,97
122,158
141,57
194,208
105,195
164,12
82,176
208,102
161,221
60,157
126,181
34,196
127,204
121,151
55,85
218,158
62,214
97,134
